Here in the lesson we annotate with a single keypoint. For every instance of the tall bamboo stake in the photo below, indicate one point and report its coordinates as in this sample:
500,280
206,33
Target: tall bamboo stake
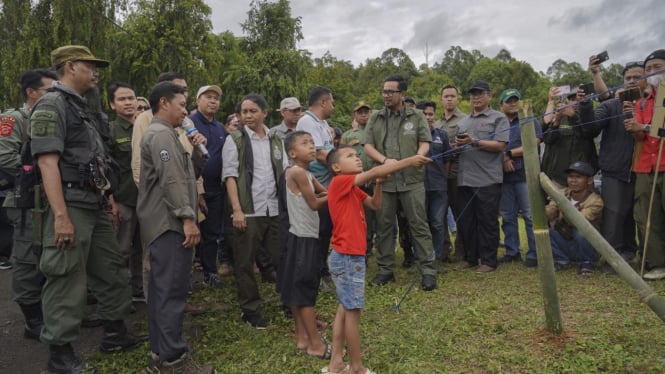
647,295
540,226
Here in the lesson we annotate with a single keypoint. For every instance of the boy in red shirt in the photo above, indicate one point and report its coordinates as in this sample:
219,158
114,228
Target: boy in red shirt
347,260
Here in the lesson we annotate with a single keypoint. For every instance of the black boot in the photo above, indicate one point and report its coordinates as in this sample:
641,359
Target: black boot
62,360
34,320
116,338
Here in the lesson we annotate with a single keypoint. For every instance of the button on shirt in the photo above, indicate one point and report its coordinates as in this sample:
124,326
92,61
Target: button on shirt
264,190
478,167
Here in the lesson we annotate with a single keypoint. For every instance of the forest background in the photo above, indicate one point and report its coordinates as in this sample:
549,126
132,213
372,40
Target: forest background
143,38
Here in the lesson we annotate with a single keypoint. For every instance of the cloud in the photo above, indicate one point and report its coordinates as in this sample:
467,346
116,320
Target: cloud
538,32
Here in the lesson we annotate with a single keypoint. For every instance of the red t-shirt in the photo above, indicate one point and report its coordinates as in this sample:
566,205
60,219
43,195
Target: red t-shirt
646,151
345,202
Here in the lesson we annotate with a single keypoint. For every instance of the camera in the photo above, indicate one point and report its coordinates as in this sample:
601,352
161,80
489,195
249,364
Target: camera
588,88
602,57
631,94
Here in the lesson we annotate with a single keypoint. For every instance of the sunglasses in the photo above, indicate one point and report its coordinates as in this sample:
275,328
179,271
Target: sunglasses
141,107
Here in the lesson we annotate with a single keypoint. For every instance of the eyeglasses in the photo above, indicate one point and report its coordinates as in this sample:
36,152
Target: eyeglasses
389,92
141,107
294,111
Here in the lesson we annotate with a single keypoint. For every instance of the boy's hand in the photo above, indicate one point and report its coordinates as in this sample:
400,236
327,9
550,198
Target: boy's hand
419,160
322,194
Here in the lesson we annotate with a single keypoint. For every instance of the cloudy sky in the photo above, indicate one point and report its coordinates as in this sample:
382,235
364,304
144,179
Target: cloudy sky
538,32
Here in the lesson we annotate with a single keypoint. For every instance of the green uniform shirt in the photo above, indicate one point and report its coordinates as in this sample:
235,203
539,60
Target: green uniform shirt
13,128
409,127
120,146
167,189
59,125
450,126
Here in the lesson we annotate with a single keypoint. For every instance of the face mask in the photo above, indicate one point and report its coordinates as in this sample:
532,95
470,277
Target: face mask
655,80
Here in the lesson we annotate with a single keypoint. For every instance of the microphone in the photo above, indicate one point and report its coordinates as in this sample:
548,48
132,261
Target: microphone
190,130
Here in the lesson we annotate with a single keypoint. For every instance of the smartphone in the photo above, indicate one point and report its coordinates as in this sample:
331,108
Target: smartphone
631,94
563,90
602,57
461,135
588,88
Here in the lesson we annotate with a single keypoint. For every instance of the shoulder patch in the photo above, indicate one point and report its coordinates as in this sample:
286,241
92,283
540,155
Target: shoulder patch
7,125
42,123
164,155
43,114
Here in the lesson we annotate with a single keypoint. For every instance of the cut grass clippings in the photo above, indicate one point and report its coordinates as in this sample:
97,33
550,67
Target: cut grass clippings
472,323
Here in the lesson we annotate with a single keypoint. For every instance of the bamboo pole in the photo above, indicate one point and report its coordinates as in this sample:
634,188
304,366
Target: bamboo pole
647,295
540,226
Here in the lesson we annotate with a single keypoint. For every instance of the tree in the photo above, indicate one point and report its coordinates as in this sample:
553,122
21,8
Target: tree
271,65
339,76
166,35
568,73
457,63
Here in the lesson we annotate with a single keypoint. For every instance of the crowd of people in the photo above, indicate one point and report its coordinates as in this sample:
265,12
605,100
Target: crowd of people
123,211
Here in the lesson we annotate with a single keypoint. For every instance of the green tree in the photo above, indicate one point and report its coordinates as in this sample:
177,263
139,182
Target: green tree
457,63
166,35
567,73
271,66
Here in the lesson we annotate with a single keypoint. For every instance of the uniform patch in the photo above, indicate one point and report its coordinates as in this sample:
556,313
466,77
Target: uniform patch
7,125
164,155
42,123
277,153
408,126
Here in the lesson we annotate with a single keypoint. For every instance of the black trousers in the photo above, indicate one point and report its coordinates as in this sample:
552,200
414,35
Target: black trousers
479,223
618,226
170,274
6,232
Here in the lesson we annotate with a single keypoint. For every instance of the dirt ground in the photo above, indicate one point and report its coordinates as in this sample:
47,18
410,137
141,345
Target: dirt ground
20,355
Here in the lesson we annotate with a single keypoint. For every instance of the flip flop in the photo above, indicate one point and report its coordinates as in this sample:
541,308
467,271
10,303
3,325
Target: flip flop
326,354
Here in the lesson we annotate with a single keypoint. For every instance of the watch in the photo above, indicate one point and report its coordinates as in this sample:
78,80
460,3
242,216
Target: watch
509,154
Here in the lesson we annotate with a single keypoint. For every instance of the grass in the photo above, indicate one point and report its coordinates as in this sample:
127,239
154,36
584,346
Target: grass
492,323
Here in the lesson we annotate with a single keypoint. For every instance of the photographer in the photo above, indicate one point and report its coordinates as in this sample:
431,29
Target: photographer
615,160
565,142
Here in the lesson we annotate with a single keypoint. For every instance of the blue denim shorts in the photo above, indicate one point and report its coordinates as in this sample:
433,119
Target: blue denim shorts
348,274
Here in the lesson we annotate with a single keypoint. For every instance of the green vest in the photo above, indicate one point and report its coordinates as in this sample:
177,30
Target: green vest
246,165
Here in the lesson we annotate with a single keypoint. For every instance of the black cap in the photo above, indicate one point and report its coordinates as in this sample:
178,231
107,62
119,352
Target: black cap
479,85
657,54
581,167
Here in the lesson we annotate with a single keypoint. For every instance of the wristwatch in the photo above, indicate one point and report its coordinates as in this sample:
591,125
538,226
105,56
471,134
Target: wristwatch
509,154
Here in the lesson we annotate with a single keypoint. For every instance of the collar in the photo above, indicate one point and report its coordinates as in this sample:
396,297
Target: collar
252,133
203,118
483,113
317,119
161,122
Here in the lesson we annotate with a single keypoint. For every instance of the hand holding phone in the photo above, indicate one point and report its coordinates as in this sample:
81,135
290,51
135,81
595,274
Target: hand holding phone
602,57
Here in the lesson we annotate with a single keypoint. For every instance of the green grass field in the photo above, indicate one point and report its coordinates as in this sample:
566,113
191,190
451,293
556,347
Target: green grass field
492,323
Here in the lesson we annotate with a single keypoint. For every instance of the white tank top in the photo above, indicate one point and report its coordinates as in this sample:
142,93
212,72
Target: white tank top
303,221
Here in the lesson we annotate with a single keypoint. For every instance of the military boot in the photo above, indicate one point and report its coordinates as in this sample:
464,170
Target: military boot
116,338
62,360
185,365
34,320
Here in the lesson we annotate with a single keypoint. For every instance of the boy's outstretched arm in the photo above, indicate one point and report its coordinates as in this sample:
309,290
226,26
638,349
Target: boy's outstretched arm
389,168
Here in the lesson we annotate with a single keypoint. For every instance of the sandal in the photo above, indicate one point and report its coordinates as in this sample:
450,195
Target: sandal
326,353
325,370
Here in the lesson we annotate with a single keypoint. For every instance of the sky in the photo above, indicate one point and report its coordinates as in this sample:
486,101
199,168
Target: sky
538,32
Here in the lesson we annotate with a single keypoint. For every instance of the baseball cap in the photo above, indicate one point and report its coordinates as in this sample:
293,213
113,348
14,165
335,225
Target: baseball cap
409,99
205,89
657,54
289,103
581,167
361,104
479,85
508,93
66,53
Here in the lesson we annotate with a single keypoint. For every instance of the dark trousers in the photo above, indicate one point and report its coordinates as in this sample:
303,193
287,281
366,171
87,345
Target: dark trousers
261,234
325,233
170,273
6,232
211,230
454,203
618,226
479,223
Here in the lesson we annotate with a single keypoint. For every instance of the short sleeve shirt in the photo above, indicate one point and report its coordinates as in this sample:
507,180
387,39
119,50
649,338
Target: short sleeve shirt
345,202
519,175
478,167
320,132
